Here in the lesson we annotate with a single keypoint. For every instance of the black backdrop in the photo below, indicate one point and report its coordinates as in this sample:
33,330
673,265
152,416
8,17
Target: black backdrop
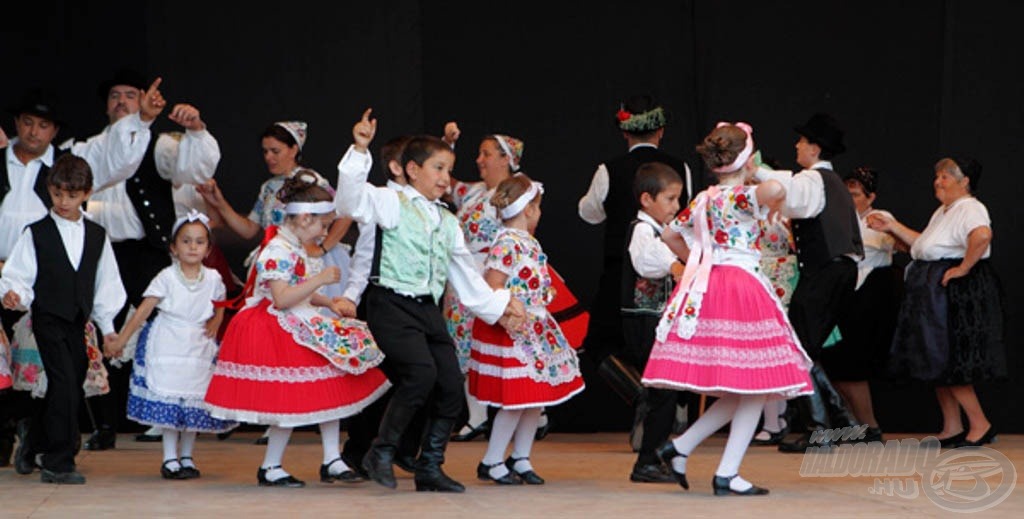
910,81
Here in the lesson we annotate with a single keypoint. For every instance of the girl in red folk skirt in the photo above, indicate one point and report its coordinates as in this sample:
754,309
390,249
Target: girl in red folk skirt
284,364
724,333
531,368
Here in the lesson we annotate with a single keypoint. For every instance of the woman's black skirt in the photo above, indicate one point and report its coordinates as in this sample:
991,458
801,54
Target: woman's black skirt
951,335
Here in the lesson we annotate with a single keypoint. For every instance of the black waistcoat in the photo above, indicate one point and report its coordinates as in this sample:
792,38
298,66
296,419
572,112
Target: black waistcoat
151,197
833,233
39,186
620,205
60,289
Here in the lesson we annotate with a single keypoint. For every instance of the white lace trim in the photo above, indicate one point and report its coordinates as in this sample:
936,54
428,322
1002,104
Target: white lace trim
491,370
785,391
528,405
717,355
566,357
276,374
297,419
753,330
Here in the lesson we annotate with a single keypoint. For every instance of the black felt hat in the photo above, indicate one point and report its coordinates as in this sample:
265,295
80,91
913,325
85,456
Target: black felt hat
125,76
823,130
40,102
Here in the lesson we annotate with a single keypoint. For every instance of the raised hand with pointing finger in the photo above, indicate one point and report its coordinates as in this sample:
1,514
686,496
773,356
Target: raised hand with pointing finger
152,102
363,131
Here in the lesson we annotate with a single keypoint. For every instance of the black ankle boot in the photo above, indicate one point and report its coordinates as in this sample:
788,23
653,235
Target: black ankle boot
379,459
429,476
839,414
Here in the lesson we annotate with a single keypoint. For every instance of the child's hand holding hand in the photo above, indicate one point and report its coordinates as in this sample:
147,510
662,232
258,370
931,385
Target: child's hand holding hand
11,300
343,306
515,315
113,345
363,131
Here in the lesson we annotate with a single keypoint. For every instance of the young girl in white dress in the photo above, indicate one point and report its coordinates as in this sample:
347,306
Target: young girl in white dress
174,356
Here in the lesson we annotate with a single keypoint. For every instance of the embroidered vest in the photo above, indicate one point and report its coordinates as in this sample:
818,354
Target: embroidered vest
642,295
413,257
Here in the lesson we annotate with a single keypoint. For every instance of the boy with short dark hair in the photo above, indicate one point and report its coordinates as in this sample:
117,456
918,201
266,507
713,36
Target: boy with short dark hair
647,281
66,261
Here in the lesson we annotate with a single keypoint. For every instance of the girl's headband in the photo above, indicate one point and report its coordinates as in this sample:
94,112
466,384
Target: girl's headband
513,209
192,216
748,149
322,207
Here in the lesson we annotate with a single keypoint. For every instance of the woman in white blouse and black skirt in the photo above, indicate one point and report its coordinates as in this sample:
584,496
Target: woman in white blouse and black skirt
950,325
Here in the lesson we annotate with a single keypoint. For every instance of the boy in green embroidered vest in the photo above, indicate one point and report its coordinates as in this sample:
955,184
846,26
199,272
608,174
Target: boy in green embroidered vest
63,269
419,248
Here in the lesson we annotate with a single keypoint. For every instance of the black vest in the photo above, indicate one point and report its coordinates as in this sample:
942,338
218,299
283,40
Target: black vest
620,205
60,290
642,295
833,233
40,184
151,197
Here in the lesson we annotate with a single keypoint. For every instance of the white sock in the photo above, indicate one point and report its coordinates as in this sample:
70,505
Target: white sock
543,418
711,421
152,431
772,411
522,440
501,434
330,435
277,440
477,412
170,442
188,443
744,422
739,484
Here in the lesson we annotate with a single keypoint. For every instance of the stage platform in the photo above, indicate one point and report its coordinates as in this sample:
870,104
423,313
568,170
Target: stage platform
587,476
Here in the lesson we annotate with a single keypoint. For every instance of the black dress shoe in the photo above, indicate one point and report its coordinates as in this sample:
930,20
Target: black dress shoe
346,476
167,473
262,440
225,435
721,486
803,443
652,473
543,430
148,438
873,434
483,473
529,477
666,453
988,437
72,477
102,439
288,481
474,431
189,471
952,441
774,438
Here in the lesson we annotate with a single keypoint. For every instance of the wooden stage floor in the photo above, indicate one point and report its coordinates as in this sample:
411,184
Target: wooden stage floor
587,476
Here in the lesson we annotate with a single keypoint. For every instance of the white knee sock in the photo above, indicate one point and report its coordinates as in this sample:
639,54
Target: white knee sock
277,440
188,443
744,422
711,421
522,441
773,409
504,426
330,436
170,441
543,418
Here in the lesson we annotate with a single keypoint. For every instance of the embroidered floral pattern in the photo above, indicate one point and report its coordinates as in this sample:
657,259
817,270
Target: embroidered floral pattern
477,217
347,343
539,344
778,263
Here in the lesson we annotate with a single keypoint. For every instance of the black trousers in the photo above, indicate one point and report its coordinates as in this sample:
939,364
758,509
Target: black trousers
818,301
138,262
638,334
54,426
419,356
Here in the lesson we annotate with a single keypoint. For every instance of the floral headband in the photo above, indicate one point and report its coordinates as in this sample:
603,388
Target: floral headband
642,122
513,149
297,129
866,177
748,149
192,216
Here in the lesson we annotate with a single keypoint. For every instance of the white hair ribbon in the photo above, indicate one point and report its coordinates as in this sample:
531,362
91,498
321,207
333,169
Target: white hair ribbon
192,216
516,207
309,207
748,149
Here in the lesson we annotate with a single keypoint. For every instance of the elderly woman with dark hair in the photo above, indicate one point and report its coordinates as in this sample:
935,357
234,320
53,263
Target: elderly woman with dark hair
950,325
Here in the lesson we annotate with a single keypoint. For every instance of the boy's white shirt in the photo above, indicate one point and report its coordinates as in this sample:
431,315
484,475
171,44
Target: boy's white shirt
369,204
19,272
650,256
